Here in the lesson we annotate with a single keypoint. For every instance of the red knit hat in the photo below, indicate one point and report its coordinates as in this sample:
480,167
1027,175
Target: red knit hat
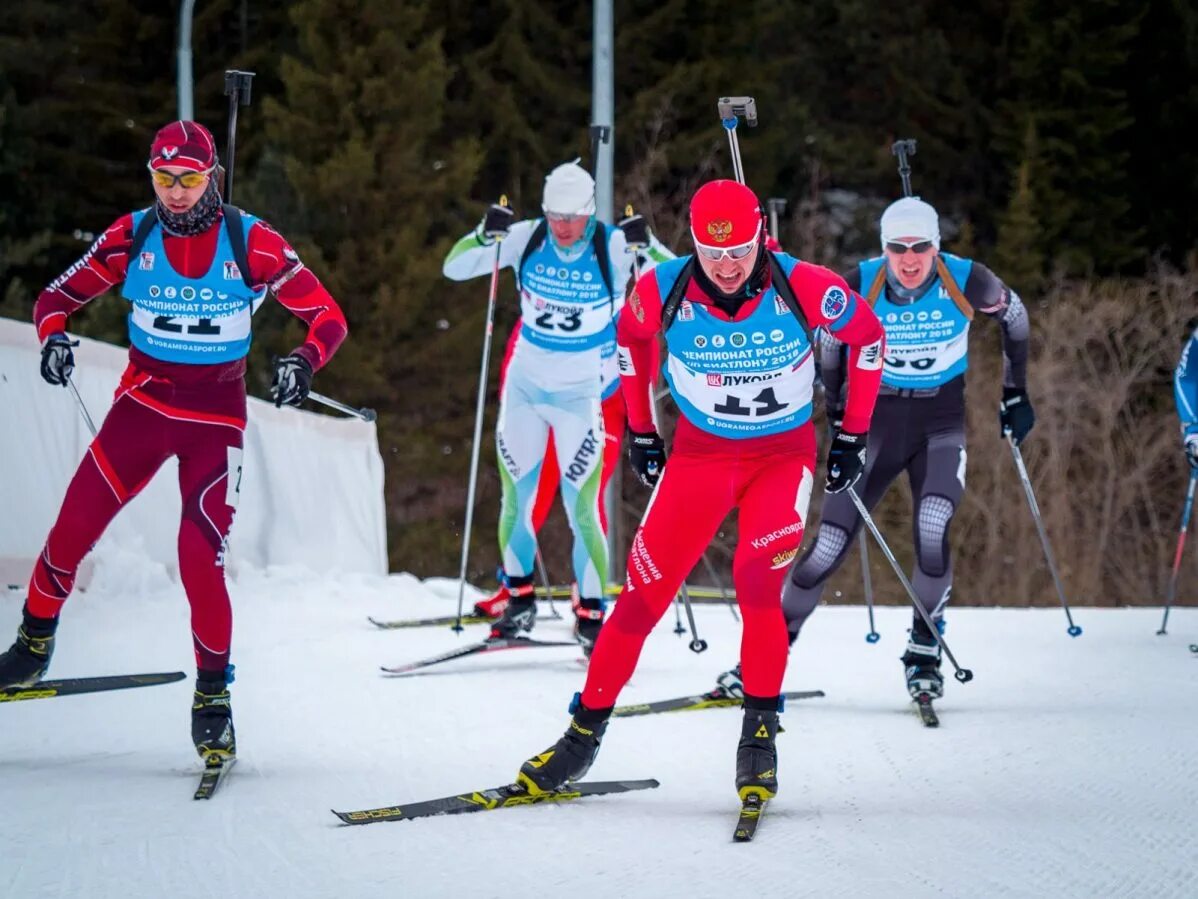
184,145
725,214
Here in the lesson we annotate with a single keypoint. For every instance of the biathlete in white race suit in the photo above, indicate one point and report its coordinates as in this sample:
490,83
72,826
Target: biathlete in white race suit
926,300
571,271
737,321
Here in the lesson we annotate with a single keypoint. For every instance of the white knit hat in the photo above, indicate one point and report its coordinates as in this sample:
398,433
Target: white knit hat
910,217
569,190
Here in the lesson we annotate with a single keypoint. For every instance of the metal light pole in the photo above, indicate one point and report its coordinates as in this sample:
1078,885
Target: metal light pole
603,103
186,106
603,115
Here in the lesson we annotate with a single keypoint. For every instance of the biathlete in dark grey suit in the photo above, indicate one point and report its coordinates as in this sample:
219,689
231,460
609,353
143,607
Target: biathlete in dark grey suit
926,301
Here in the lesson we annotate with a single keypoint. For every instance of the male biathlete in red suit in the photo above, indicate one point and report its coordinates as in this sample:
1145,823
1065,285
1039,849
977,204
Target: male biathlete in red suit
192,289
737,321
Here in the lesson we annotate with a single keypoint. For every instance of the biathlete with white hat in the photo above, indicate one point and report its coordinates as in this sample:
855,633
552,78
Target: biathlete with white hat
571,272
926,300
737,320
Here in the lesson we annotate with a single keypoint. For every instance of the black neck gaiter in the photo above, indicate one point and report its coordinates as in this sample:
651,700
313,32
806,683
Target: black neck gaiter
196,220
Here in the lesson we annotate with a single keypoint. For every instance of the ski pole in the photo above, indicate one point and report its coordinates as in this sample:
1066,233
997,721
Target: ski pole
873,636
904,149
88,419
237,89
478,423
696,644
776,207
545,582
678,628
1181,543
363,413
1074,630
964,675
730,110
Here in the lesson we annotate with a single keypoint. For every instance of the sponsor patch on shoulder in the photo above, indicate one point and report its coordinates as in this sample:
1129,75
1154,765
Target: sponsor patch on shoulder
834,303
634,302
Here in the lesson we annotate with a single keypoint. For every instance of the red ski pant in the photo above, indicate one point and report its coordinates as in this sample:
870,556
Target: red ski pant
705,478
149,423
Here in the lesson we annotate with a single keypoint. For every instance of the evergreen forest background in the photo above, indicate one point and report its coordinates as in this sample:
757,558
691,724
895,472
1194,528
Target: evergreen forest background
1052,138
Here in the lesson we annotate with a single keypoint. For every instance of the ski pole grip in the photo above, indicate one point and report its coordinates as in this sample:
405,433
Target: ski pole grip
238,83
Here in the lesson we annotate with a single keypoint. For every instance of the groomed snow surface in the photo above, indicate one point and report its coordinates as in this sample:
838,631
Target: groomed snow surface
1069,767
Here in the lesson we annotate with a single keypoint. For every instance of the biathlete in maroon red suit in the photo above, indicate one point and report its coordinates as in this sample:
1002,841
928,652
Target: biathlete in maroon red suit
193,276
737,321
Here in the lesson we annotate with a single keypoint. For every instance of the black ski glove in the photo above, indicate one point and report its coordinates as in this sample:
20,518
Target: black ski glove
636,231
1190,445
835,420
846,461
496,223
292,381
647,453
57,359
1015,414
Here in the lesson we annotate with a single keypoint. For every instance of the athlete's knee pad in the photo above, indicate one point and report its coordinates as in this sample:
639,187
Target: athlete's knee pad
931,534
823,558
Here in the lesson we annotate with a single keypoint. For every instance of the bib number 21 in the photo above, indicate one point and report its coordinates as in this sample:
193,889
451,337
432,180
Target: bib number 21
202,327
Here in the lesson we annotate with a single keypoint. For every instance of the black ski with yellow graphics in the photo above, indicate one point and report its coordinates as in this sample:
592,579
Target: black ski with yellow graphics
752,807
498,644
216,769
74,686
508,796
716,699
446,620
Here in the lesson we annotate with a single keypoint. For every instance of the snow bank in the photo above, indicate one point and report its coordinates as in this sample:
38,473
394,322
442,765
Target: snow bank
311,488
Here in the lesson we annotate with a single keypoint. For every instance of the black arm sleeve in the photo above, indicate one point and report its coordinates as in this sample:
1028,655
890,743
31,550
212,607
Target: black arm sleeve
989,296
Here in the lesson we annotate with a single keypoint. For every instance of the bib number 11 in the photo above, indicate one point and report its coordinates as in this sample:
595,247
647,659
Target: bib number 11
765,403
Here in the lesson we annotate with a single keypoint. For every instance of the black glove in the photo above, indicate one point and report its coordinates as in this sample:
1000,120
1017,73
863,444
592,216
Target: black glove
1015,415
636,231
1190,445
846,461
293,380
835,420
57,359
647,453
496,223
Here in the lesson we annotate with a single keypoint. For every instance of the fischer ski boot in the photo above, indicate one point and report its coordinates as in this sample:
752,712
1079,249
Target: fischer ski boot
520,614
212,716
757,752
729,684
493,605
588,621
26,661
570,757
922,663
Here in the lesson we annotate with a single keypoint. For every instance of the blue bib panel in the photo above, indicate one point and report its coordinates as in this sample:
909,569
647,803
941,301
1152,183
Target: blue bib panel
927,341
195,321
738,379
564,304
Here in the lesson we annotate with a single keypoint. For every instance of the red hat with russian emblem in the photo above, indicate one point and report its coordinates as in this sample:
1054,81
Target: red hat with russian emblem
725,214
184,145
